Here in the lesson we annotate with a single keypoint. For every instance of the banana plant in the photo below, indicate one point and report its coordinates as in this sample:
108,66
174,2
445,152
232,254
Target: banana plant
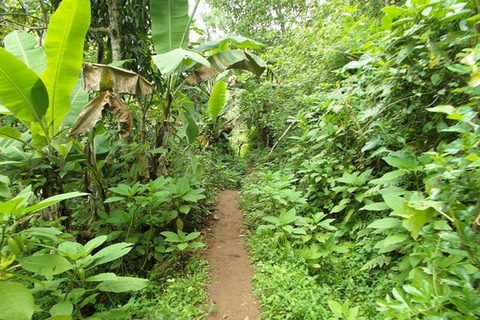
39,95
170,31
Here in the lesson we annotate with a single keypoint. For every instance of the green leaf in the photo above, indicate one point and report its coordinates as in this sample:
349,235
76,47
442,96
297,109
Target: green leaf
25,47
9,133
389,177
417,219
109,276
170,61
395,203
182,246
377,206
21,90
192,236
53,200
78,101
191,132
112,252
223,44
217,99
405,52
16,301
64,45
184,209
72,250
46,265
169,21
123,284
336,308
403,162
64,308
385,223
448,109
170,236
237,59
394,239
94,243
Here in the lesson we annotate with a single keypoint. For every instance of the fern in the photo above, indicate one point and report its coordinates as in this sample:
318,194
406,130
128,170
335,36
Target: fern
379,261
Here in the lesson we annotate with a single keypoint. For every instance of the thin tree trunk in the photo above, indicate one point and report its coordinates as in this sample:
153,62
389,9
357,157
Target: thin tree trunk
114,30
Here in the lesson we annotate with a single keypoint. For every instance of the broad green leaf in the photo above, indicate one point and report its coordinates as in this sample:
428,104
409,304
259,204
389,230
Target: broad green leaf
123,284
395,203
448,109
112,252
64,308
9,207
94,243
170,61
22,92
196,245
64,45
46,265
109,276
405,52
385,223
394,239
25,47
78,101
192,236
16,301
403,162
336,308
191,132
60,318
217,99
182,246
9,133
72,250
169,23
389,177
52,200
377,206
223,44
417,219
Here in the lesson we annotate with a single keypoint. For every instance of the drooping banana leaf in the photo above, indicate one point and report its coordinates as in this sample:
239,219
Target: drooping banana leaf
227,60
99,77
64,48
172,60
25,47
92,113
169,22
21,90
217,99
224,43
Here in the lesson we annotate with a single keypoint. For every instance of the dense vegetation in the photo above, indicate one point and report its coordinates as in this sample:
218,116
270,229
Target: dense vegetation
354,137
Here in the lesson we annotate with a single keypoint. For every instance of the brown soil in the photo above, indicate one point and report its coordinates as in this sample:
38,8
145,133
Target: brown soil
231,289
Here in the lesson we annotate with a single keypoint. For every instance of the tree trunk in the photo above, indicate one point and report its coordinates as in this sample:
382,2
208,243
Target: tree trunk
114,30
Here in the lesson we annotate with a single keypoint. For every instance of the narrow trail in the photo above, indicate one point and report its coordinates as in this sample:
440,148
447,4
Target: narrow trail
231,289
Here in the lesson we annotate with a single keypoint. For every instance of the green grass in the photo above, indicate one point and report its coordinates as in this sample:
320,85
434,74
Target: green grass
180,294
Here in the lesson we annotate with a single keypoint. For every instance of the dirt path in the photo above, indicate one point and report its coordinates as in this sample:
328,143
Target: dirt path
232,289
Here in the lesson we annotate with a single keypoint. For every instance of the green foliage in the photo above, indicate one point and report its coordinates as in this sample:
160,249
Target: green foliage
386,146
169,24
216,101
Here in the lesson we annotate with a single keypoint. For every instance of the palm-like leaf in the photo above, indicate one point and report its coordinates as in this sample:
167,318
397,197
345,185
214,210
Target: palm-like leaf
25,47
21,90
64,48
169,23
